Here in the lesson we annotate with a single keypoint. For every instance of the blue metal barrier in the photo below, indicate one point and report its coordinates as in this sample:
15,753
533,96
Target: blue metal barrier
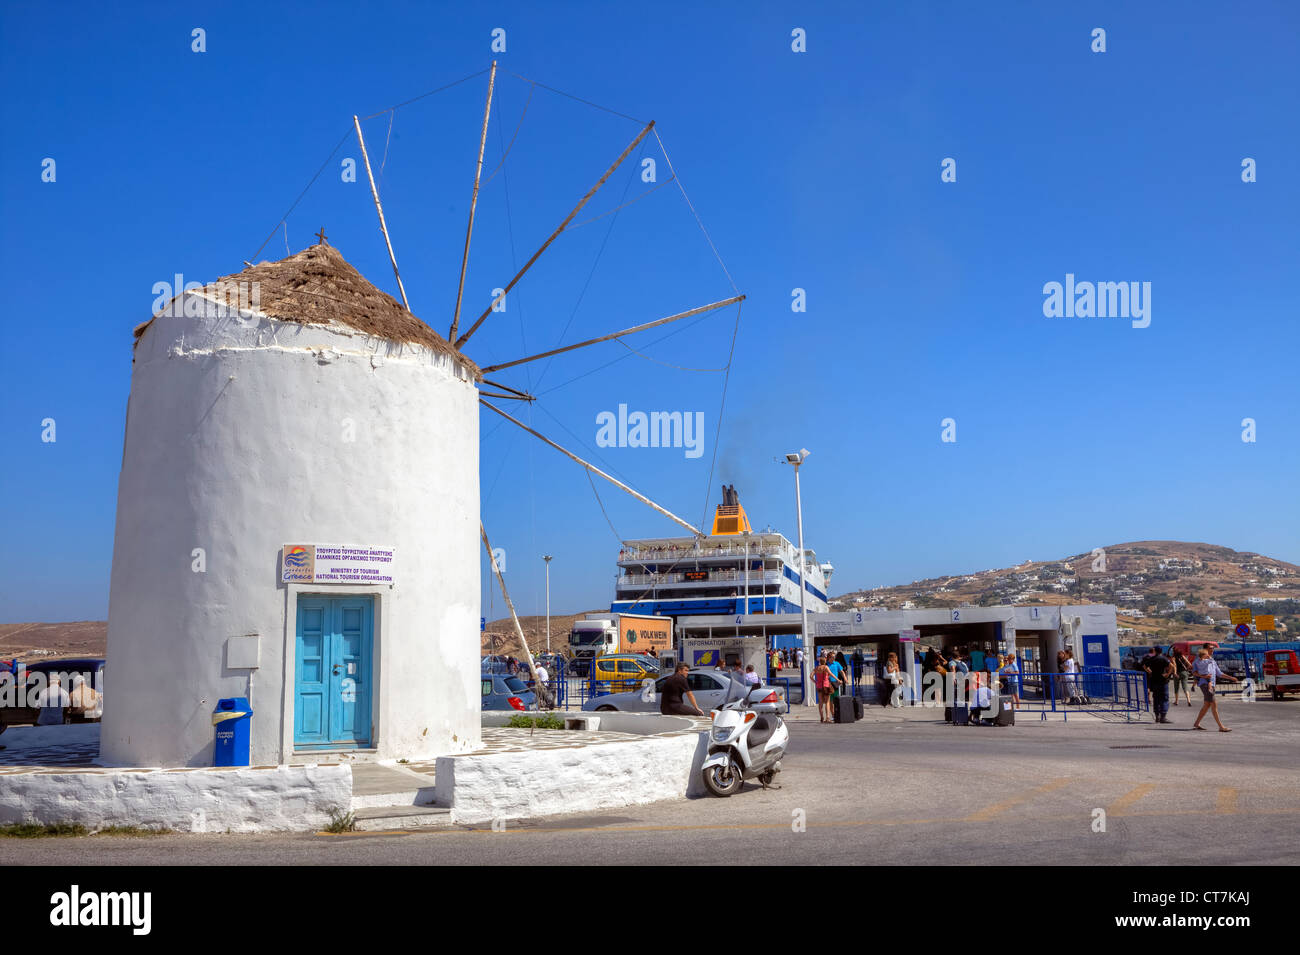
1092,690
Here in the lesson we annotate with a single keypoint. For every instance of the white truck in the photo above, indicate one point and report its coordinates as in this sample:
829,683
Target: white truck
599,634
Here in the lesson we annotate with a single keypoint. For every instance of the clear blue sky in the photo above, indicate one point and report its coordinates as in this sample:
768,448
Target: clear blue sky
816,170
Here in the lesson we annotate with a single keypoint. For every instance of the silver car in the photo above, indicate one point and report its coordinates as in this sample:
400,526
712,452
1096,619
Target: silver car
711,687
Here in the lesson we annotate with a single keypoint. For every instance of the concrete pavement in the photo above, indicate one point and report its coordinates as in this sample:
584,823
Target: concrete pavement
887,790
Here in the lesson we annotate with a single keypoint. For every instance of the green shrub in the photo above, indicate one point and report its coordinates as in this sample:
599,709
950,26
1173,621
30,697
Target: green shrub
342,822
36,830
547,721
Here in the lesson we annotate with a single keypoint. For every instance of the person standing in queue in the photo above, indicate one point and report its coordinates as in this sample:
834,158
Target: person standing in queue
676,687
1158,670
1182,674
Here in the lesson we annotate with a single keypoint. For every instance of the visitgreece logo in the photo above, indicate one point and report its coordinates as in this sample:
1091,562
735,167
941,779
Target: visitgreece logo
1131,300
297,557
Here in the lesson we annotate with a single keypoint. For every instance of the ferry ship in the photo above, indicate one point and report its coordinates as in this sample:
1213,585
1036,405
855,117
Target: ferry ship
731,571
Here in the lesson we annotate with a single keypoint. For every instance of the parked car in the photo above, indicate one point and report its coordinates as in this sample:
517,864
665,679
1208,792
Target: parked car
87,702
711,689
619,672
506,693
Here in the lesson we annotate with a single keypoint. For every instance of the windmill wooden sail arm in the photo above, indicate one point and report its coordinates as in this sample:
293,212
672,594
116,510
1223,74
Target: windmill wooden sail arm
460,342
595,470
627,331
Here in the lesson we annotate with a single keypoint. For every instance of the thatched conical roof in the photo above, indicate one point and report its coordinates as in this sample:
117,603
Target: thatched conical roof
317,286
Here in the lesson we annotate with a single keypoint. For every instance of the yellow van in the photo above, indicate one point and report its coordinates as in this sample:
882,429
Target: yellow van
624,671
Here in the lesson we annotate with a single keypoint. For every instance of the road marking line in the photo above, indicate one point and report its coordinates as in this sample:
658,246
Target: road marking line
1118,807
989,812
1227,801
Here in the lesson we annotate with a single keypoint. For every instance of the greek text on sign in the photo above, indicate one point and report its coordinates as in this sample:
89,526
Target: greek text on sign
909,636
830,628
1240,615
1265,622
336,564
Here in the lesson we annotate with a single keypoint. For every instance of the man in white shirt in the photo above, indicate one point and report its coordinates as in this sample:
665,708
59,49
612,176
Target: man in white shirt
543,691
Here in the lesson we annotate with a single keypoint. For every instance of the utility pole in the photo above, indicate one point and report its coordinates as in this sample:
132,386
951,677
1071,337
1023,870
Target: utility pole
547,558
797,458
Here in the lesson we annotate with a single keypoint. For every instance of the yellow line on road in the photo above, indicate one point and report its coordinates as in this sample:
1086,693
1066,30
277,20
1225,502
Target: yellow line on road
1227,801
989,812
1120,805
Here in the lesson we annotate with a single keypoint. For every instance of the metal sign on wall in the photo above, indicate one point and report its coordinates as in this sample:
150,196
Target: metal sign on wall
336,564
831,628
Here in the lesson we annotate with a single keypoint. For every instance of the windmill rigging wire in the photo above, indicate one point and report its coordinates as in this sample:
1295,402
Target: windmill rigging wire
518,126
587,284
285,218
665,363
698,220
612,529
579,99
630,202
592,451
463,79
387,139
676,331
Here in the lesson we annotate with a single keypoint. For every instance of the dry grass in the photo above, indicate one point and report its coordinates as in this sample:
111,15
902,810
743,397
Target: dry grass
318,287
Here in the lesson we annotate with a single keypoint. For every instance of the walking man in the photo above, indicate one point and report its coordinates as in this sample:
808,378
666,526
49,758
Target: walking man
1158,670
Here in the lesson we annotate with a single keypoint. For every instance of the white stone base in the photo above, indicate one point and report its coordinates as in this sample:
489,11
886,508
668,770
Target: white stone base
273,799
545,782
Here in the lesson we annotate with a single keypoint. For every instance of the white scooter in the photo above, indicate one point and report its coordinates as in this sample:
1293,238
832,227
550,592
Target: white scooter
747,741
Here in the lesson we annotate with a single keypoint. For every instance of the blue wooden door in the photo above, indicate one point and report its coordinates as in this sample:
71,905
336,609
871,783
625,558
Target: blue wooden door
1096,653
333,673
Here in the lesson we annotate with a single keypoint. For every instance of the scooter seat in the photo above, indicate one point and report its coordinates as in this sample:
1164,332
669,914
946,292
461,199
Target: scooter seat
764,727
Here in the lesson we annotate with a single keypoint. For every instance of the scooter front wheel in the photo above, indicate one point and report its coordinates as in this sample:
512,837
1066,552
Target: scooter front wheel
723,780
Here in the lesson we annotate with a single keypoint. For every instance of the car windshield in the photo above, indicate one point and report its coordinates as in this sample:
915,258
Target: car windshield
516,685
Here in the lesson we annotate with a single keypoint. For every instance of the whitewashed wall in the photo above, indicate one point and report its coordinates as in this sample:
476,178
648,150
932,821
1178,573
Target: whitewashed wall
282,799
235,443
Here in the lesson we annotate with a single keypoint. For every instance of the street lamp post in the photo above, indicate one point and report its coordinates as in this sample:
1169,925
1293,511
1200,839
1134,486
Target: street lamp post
547,558
797,458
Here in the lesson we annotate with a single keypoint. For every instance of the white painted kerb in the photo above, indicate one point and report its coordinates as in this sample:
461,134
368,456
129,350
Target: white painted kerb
275,799
547,782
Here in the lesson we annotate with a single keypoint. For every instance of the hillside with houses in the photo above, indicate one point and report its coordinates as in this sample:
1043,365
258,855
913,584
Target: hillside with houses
1162,589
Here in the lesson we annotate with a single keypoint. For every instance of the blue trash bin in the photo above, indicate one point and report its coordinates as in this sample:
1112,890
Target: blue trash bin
231,723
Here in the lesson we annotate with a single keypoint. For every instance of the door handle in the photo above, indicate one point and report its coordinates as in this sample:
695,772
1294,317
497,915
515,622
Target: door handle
337,669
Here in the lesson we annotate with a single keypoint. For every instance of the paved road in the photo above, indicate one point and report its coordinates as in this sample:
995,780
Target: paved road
883,792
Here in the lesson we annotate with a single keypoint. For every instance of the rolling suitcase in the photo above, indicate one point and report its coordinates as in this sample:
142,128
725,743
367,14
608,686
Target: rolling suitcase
1006,715
960,715
844,709
857,708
